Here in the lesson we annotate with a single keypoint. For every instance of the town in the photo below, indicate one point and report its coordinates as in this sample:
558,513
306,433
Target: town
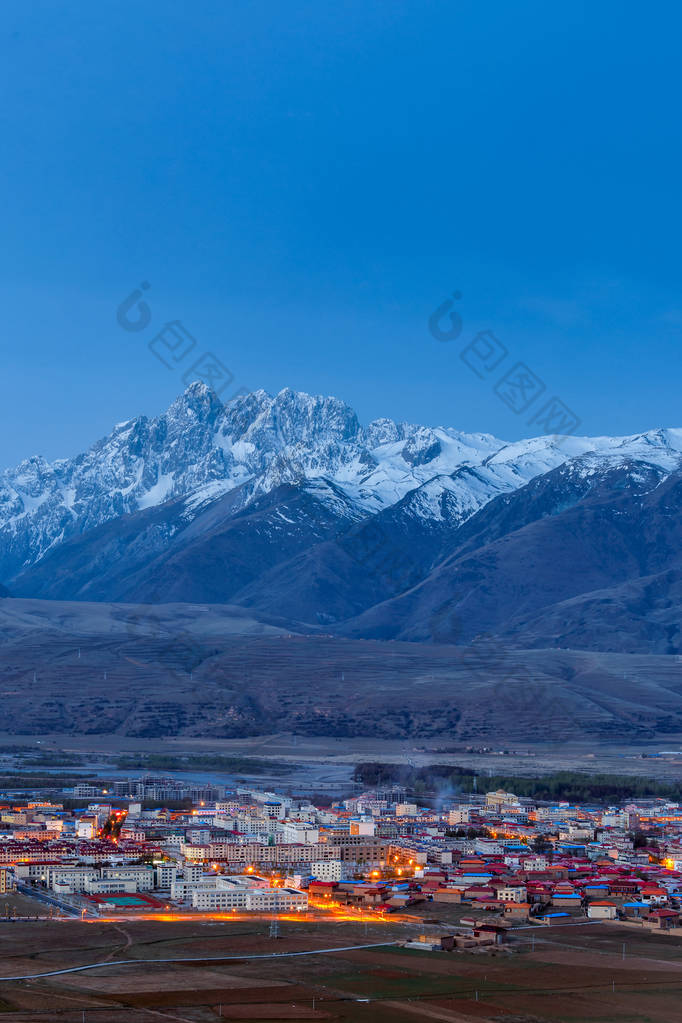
479,868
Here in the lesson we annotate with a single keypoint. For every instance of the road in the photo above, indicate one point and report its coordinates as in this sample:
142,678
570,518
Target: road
48,899
201,959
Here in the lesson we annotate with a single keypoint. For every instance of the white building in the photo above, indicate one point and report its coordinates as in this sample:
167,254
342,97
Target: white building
512,893
271,900
225,822
327,870
488,846
274,810
300,832
180,889
537,862
141,876
196,853
165,874
192,872
406,810
230,807
198,836
601,910
132,834
215,894
105,886
86,827
459,815
68,880
362,826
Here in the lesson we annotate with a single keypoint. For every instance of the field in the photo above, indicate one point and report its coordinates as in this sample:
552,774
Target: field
575,974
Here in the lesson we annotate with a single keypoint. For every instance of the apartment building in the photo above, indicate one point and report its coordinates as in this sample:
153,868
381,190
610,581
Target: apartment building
224,893
327,870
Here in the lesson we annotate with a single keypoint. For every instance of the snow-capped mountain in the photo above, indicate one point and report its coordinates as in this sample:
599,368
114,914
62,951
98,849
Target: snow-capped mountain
199,451
588,555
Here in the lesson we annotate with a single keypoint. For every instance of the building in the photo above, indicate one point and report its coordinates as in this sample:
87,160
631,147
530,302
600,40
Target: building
87,827
141,876
459,815
362,827
406,810
68,880
511,892
165,874
663,919
601,910
327,870
499,799
238,894
300,831
104,886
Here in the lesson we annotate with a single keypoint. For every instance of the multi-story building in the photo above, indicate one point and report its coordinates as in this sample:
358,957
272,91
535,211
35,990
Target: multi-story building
459,815
362,826
327,870
165,874
300,831
142,876
224,893
67,880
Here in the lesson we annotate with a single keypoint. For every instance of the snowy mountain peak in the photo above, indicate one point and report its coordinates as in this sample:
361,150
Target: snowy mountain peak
200,450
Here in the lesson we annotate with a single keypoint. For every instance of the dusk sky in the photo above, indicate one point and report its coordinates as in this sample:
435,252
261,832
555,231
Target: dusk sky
302,185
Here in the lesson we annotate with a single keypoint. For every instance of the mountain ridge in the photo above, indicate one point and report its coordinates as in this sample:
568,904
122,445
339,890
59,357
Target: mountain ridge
288,506
199,448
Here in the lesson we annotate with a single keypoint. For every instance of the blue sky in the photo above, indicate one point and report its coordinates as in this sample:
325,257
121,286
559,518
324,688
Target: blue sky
302,184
